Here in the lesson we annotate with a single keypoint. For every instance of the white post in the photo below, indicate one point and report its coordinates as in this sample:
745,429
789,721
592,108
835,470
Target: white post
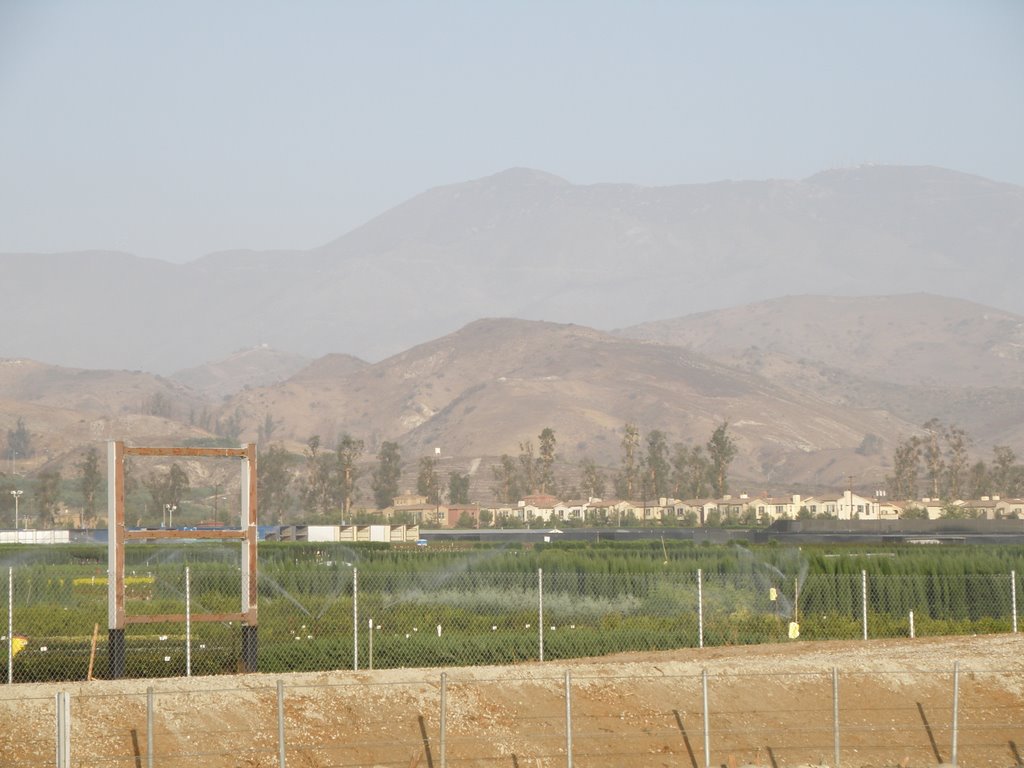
540,611
1013,598
707,727
864,601
444,720
280,724
112,535
568,718
700,608
911,625
10,625
243,520
835,715
355,619
149,727
63,730
956,708
188,622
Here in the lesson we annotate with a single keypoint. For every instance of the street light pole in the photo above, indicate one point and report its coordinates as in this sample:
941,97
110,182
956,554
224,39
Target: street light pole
16,495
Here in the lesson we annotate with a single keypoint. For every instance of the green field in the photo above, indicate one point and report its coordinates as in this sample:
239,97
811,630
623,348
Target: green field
483,604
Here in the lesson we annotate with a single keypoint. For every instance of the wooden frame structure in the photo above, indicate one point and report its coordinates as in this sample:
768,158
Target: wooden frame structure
118,534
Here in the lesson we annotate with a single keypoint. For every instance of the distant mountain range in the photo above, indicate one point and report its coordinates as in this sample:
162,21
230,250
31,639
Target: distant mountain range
528,245
824,319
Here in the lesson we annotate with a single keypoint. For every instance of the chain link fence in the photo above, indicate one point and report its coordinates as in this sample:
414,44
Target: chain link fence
335,616
696,719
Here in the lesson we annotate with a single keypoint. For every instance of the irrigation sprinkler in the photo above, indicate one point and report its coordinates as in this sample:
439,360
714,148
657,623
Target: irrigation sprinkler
794,625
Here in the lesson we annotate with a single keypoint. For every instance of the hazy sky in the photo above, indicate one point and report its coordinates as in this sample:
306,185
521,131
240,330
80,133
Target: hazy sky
174,129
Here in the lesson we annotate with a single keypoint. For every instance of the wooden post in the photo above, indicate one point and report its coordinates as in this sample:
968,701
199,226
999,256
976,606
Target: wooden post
92,651
247,533
115,559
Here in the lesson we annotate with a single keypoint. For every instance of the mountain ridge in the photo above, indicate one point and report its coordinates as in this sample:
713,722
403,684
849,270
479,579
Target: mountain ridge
525,244
800,418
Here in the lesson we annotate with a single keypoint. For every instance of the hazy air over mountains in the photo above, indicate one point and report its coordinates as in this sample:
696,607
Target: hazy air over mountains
528,245
825,319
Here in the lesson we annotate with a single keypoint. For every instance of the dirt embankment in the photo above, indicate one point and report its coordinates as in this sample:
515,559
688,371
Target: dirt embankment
767,705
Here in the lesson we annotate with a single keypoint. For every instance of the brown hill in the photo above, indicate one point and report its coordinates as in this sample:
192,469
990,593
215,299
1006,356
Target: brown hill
917,357
253,367
66,410
495,384
814,388
915,339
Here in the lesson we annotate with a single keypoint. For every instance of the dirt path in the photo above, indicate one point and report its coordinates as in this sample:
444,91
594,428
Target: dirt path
768,705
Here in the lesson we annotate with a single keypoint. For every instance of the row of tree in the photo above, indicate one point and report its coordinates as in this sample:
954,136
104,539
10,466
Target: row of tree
41,507
937,464
327,482
650,468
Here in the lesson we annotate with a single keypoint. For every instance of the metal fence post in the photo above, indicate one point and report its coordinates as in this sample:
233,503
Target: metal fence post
835,715
1013,596
370,639
188,622
280,725
149,727
956,702
540,611
443,738
355,619
568,718
707,729
10,625
864,601
911,625
700,608
63,730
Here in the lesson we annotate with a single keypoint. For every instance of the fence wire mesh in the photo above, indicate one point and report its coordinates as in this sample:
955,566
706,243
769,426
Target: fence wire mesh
335,616
942,715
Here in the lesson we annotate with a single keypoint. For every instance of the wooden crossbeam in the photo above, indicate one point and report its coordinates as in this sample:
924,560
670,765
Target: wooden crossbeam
175,533
161,618
240,453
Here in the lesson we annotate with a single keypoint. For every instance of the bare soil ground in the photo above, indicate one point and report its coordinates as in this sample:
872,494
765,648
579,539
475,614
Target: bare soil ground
768,705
